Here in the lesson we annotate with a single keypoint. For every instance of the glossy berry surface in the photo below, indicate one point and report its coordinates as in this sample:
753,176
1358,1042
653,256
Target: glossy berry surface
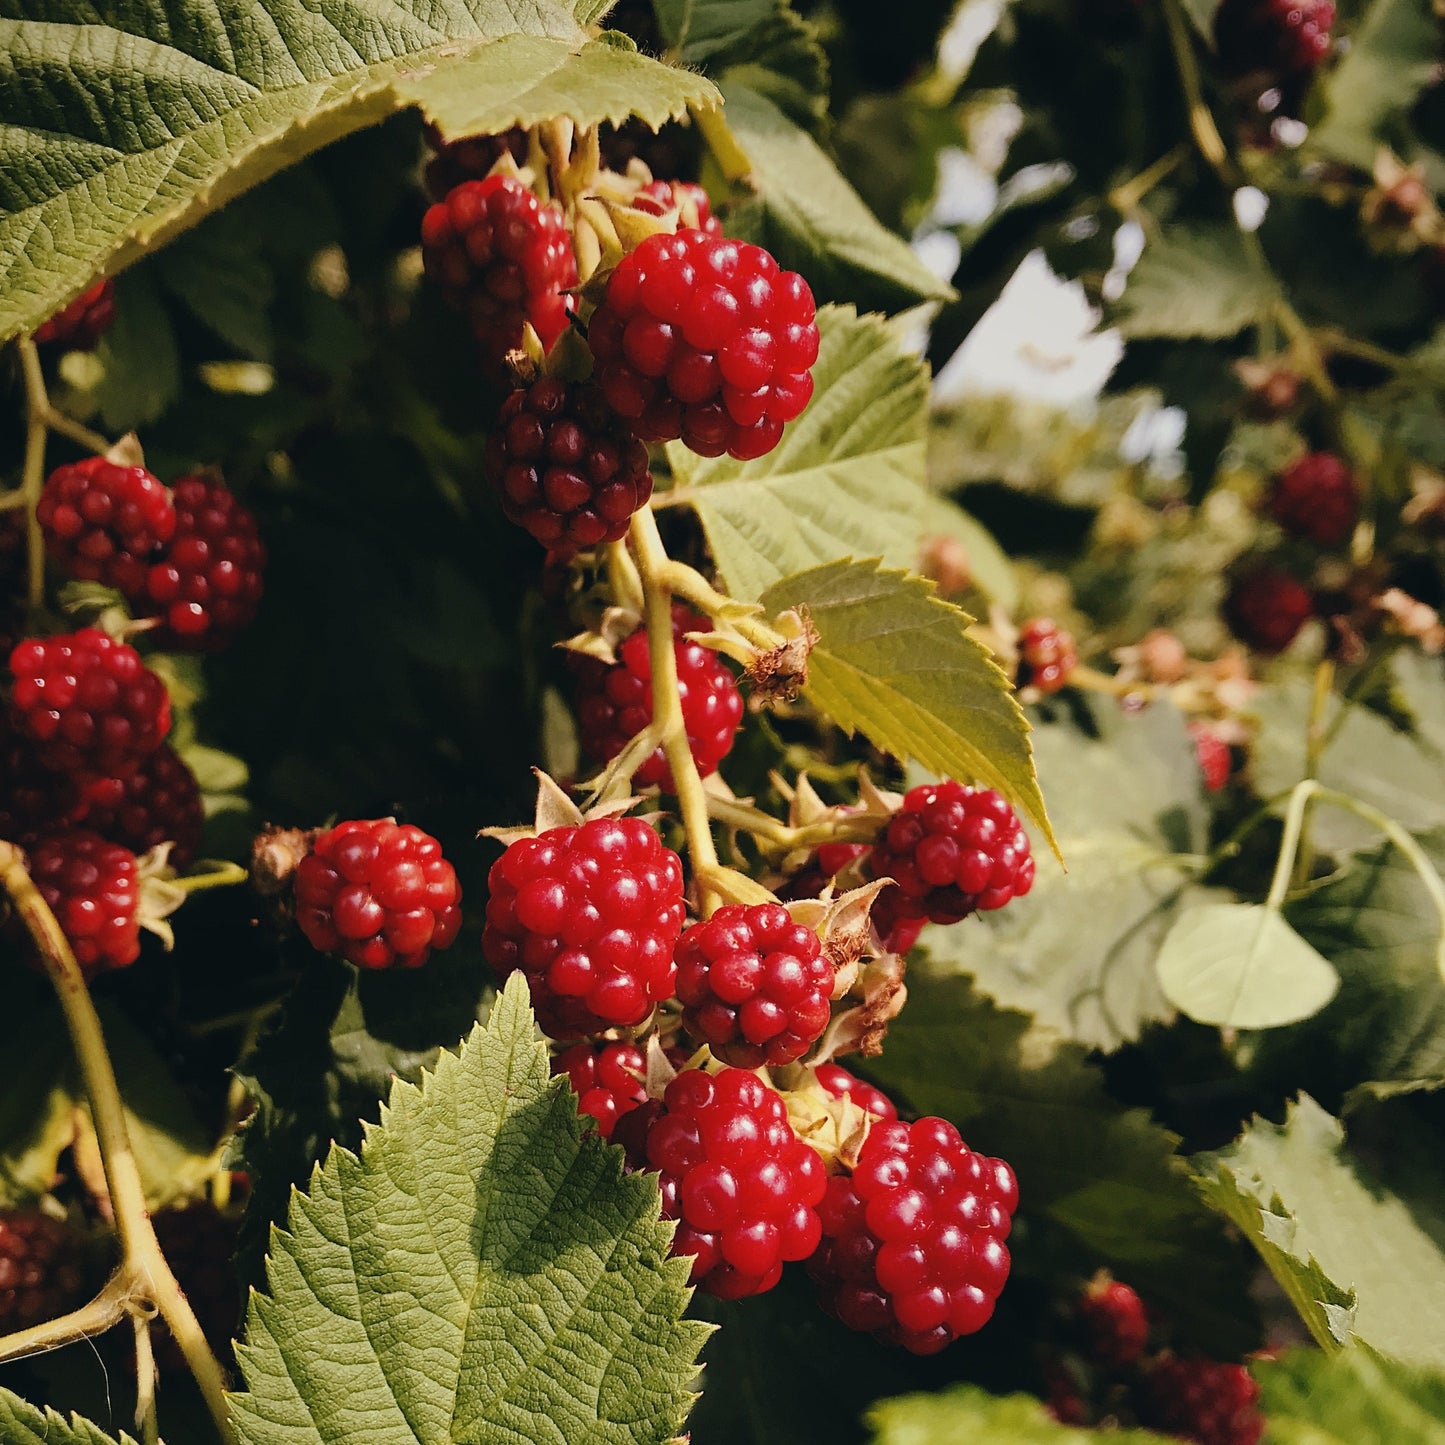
913,1239
1266,608
1288,37
565,467
1114,1322
1216,761
42,1272
1205,1401
591,915
160,802
207,587
686,197
104,522
93,888
34,800
951,850
199,1243
741,1184
81,324
378,893
1316,499
614,703
840,1084
607,1079
1046,655
88,702
504,259
754,985
705,339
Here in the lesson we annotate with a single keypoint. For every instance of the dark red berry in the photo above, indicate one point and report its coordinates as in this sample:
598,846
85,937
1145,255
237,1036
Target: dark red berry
1205,1401
754,985
504,259
104,522
80,325
208,585
686,197
591,915
614,703
1115,1323
1046,655
1216,762
841,1084
1290,38
566,467
89,703
468,159
1266,608
741,1184
34,800
951,850
93,889
607,1079
1316,499
379,893
199,1244
913,1238
705,339
159,803
896,920
42,1269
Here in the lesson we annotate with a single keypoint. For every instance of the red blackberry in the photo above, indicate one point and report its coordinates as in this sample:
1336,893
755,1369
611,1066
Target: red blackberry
896,920
951,850
34,800
1202,1400
199,1243
104,522
741,1184
754,985
503,258
840,1083
614,703
93,889
1288,37
591,915
565,467
379,893
1316,499
1215,759
79,326
705,339
1115,1323
89,703
913,1239
1046,655
686,197
468,159
42,1269
159,803
1266,608
607,1079
207,587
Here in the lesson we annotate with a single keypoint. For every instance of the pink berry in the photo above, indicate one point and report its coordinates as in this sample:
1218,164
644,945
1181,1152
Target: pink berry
1288,37
1046,655
687,197
93,890
1216,762
1115,1323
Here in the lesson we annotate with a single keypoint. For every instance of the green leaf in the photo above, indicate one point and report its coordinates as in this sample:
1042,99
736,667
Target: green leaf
217,273
701,28
1241,966
813,221
483,1271
967,1415
782,60
1391,58
140,359
22,1424
846,479
1202,13
121,127
1195,281
895,663
1309,1398
1355,1257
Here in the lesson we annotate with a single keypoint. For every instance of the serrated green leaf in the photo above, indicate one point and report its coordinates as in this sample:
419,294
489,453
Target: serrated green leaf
1241,966
967,1415
119,132
846,479
1355,1257
483,1271
1357,1395
813,221
1195,281
894,662
22,1424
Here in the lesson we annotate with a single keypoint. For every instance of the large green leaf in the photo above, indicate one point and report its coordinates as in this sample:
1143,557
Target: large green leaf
894,662
846,479
1309,1398
1355,1257
698,29
483,1271
967,1415
1195,281
22,1424
120,126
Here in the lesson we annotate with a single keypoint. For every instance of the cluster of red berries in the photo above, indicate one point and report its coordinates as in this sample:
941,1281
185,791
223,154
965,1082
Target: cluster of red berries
1047,655
42,1268
1287,39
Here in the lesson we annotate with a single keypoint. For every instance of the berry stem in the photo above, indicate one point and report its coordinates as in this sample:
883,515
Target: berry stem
1294,819
652,561
1201,118
777,836
108,1308
718,135
145,1380
81,435
1126,197
694,589
226,876
148,1274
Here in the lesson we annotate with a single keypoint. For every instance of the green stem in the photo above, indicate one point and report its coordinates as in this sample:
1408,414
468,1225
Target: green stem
92,441
1201,118
226,876
718,135
1125,197
689,584
1294,819
108,1308
145,1381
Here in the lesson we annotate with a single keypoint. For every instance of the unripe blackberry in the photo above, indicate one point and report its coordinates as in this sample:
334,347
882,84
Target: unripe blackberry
1046,655
1317,499
199,1244
841,1084
80,325
93,889
607,1079
1289,38
42,1269
1266,608
34,800
469,159
1115,1323
159,803
1205,1401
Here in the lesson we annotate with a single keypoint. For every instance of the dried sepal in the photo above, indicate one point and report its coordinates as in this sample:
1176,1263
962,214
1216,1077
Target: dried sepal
779,673
834,1125
881,992
160,894
556,809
